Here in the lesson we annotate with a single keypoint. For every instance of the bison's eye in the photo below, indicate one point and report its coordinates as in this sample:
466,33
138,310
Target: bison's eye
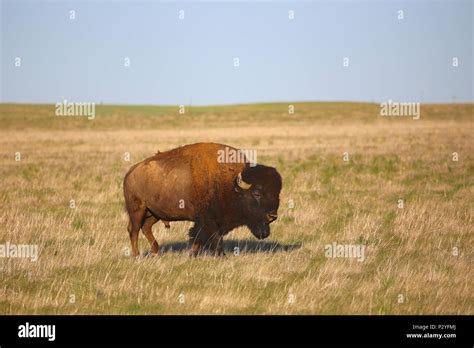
257,195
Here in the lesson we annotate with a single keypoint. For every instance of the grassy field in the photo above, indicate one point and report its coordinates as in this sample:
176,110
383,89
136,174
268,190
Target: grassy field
419,259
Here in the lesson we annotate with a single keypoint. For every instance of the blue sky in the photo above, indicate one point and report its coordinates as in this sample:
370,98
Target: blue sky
191,61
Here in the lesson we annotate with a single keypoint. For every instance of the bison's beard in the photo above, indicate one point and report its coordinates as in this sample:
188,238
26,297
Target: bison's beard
260,231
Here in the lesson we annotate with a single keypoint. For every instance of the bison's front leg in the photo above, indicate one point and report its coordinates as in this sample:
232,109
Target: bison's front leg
217,245
195,239
205,236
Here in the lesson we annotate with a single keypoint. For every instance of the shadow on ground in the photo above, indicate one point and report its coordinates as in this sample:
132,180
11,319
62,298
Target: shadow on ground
245,246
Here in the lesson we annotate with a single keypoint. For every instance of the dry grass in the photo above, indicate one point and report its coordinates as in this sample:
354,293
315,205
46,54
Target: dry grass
409,251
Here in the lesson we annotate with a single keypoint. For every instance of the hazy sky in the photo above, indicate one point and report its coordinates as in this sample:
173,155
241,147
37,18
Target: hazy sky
191,60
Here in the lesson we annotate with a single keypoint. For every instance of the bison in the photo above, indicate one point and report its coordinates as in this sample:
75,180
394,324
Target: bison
191,183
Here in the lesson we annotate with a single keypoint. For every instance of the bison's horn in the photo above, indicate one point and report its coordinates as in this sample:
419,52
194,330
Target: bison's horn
242,184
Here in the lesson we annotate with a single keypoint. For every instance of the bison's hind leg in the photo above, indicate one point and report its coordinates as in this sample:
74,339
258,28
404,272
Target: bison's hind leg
147,231
136,214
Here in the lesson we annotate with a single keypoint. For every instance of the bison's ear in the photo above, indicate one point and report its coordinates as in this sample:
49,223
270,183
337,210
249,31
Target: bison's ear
240,184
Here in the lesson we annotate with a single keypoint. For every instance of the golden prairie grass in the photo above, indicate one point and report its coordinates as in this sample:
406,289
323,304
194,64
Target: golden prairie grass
418,259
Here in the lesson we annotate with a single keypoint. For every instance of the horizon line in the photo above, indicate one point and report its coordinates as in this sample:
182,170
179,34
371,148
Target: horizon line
245,104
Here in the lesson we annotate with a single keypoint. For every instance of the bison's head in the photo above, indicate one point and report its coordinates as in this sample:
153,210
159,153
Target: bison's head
258,189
